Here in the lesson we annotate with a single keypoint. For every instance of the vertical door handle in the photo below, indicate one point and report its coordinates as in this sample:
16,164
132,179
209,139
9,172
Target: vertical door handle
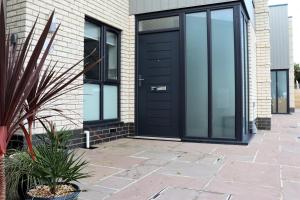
140,80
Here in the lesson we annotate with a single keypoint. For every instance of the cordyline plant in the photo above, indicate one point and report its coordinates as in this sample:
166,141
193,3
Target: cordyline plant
26,88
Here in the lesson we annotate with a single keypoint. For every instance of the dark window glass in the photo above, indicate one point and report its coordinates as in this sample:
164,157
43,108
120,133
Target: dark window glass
279,91
112,55
282,91
274,91
91,43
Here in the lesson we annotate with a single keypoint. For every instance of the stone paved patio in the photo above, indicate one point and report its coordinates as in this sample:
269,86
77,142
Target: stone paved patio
267,169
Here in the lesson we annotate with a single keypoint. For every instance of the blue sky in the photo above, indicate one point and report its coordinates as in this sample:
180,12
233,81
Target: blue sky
294,11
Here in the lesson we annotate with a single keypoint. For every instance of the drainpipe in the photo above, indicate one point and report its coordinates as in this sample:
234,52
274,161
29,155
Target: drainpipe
87,139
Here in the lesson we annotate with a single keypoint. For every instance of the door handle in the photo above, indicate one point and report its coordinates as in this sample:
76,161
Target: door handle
159,88
140,80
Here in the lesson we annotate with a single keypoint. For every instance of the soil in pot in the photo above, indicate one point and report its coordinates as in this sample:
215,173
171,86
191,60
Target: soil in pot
43,191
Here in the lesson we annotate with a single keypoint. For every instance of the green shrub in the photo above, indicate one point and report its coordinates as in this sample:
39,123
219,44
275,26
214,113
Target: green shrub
18,170
54,164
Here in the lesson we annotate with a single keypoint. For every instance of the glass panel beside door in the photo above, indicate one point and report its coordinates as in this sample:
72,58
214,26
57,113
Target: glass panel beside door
196,75
223,74
222,78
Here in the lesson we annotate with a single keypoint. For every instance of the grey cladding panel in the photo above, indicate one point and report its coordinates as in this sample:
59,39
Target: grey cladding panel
279,37
147,6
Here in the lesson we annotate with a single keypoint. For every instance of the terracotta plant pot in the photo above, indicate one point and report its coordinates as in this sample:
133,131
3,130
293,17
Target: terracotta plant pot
71,196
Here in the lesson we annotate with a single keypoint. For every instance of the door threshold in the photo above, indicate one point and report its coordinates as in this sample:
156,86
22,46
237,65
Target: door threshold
155,138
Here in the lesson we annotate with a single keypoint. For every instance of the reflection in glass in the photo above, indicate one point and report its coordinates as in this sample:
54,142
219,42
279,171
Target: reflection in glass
196,75
243,72
223,74
112,54
274,92
91,102
246,77
282,91
91,43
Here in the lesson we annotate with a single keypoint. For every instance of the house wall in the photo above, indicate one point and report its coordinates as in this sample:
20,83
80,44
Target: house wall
291,70
16,17
252,74
68,48
263,77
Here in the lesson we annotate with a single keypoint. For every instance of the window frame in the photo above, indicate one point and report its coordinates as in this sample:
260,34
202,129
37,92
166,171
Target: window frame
103,72
246,82
238,9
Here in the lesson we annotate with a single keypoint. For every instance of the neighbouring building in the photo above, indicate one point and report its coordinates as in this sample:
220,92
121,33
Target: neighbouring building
282,69
193,70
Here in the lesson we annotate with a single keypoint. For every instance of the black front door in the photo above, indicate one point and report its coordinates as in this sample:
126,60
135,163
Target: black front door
158,84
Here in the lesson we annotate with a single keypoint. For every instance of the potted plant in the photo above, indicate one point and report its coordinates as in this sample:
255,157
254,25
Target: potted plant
18,167
27,86
56,168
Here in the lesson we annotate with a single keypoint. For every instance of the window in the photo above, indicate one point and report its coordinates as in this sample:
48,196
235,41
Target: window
112,55
159,23
280,93
245,71
223,73
196,75
102,83
216,78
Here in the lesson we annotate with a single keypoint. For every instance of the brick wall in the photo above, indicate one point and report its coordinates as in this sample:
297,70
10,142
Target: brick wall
69,45
252,72
263,77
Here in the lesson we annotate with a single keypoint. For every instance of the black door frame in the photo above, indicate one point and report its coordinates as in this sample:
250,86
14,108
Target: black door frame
238,9
176,30
288,91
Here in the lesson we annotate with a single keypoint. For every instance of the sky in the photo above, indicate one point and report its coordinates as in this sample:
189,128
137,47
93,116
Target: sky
294,11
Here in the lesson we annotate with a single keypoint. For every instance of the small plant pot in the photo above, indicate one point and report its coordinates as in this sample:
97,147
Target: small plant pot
71,196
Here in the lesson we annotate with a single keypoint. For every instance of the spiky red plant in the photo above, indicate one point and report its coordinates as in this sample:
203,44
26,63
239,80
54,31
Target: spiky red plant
25,90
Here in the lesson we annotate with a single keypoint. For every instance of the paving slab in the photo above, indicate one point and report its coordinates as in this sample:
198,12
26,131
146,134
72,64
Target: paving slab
251,173
244,191
291,190
290,173
194,170
92,192
114,182
152,184
184,193
136,169
98,172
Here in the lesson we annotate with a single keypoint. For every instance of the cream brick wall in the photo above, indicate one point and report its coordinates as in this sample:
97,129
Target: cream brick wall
16,17
291,76
252,72
69,43
263,76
